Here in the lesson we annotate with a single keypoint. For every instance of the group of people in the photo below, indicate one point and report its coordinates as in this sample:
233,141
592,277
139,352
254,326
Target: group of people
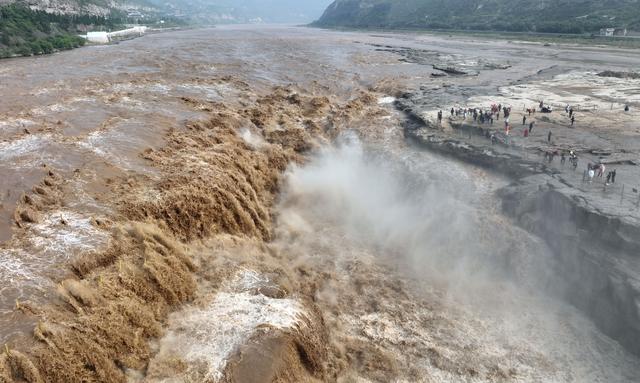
569,109
488,116
600,169
478,115
483,116
573,158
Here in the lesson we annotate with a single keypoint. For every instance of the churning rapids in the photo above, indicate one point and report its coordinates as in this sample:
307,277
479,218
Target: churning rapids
239,204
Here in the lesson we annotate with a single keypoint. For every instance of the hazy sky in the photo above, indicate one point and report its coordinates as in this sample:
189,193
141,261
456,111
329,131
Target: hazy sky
277,11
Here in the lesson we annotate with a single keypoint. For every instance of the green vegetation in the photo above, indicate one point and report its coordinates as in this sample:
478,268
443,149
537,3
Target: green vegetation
541,16
24,32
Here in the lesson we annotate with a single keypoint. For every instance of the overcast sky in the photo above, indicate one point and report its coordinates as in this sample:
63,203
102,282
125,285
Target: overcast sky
278,11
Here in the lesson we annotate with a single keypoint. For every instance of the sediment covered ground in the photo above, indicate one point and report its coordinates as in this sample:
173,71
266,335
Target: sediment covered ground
242,205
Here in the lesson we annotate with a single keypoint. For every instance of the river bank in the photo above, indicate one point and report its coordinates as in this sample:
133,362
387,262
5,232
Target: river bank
593,228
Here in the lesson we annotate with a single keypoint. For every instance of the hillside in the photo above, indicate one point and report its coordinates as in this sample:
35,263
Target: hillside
25,32
560,16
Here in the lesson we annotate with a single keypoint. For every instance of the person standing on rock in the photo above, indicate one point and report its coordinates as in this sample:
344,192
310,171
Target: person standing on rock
570,112
592,173
573,120
524,120
531,126
608,178
613,176
549,137
440,117
563,158
601,170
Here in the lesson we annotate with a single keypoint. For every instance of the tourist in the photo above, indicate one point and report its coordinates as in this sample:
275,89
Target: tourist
524,120
452,112
549,137
626,108
592,173
531,126
601,170
613,176
573,120
608,178
571,112
440,117
563,158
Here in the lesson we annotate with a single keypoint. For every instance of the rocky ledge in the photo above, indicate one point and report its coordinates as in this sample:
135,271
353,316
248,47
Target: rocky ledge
596,243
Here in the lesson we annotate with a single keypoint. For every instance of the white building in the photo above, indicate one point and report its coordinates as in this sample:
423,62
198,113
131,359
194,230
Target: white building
98,37
610,32
606,31
107,37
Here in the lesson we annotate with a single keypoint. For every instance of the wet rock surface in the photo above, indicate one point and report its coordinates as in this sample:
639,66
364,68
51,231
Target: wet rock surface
593,227
443,63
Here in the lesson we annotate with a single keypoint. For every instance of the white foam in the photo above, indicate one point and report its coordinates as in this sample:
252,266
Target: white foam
102,143
12,267
253,140
207,337
29,144
386,100
53,237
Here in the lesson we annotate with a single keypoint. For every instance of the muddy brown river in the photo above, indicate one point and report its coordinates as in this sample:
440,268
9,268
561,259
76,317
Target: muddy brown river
405,256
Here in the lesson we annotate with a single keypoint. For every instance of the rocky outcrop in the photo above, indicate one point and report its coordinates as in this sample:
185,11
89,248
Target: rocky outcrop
596,251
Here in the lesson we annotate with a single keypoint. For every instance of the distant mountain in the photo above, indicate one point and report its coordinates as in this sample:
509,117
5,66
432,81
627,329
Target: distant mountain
248,11
560,16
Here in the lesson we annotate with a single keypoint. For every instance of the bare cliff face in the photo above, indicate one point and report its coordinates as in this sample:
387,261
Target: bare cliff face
77,7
